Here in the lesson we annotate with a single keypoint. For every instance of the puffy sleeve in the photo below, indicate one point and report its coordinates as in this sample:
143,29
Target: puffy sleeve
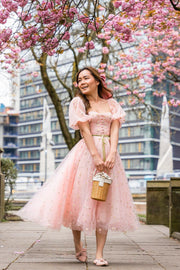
77,113
117,111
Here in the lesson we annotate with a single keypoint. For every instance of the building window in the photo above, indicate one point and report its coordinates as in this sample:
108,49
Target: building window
61,153
131,131
55,125
137,164
23,155
35,154
30,90
126,148
147,164
58,139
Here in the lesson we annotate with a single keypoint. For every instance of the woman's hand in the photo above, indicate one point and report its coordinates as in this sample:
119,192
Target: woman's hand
98,162
110,160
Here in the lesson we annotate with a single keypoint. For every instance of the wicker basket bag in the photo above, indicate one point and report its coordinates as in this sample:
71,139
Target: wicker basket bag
101,182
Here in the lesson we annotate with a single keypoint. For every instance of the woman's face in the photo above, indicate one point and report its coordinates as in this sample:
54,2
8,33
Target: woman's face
87,83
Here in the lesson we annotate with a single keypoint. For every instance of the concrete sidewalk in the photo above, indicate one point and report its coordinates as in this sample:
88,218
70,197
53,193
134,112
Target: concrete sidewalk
28,246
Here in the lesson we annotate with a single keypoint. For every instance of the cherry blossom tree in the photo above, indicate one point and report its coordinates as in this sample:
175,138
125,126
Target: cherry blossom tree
134,42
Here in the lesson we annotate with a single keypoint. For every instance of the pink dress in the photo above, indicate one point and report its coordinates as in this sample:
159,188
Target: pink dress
65,199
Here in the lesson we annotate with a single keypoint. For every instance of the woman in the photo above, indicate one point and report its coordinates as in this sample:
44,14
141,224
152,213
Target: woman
65,199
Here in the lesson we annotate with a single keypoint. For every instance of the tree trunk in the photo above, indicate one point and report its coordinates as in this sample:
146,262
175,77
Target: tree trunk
56,102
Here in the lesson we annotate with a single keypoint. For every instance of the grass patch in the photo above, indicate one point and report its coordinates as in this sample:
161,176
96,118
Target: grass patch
141,215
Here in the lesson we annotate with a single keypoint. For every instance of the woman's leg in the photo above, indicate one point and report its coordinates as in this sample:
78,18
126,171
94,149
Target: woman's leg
100,242
81,254
77,240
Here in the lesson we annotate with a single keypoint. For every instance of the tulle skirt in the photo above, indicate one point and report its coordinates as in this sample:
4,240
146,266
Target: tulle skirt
65,199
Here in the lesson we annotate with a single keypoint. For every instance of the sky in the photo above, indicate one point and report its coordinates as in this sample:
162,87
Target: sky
4,83
4,89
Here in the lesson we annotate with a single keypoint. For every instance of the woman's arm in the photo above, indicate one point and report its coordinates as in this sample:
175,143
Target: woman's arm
88,138
114,136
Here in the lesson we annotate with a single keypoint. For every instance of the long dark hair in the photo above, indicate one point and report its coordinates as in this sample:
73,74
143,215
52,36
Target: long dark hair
103,91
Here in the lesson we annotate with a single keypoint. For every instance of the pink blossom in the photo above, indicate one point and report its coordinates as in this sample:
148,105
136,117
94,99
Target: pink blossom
103,65
132,101
108,42
5,34
92,27
156,94
4,14
24,16
165,103
54,42
128,92
172,101
100,70
124,77
35,74
71,12
16,35
126,86
51,52
10,5
81,50
22,3
142,100
142,95
16,50
97,25
109,82
111,17
101,36
8,61
89,45
83,18
105,50
135,92
110,68
117,4
101,8
66,36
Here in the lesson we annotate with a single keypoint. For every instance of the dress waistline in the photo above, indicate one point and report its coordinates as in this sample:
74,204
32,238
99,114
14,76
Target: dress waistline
103,135
103,144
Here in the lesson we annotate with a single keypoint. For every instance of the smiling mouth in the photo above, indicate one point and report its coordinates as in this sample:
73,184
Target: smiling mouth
84,88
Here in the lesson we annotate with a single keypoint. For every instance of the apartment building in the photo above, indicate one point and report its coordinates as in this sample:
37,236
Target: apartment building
138,137
9,133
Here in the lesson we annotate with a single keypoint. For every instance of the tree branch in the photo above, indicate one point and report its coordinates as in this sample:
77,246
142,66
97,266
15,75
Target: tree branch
175,5
62,82
56,101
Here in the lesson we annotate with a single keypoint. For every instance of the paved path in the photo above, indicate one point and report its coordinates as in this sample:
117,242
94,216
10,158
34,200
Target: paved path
28,246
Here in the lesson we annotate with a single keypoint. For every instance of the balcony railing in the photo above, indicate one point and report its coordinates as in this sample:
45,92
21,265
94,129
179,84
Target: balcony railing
10,156
9,134
10,145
